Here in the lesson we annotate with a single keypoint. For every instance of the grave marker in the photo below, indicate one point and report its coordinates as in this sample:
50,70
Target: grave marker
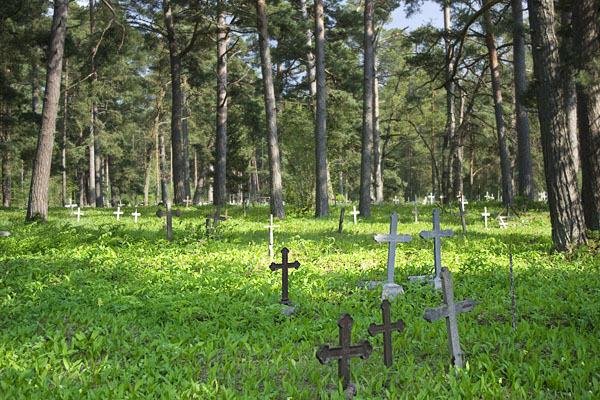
461,213
78,213
436,234
431,198
4,233
215,221
135,215
396,200
271,226
70,206
416,211
386,328
345,351
542,196
118,212
485,214
342,212
284,266
392,238
187,202
354,213
450,310
502,222
169,214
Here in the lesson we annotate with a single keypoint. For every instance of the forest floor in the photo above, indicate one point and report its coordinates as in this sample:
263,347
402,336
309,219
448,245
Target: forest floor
106,309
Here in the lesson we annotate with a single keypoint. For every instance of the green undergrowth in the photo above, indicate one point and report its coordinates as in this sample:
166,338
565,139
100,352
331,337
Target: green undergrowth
111,310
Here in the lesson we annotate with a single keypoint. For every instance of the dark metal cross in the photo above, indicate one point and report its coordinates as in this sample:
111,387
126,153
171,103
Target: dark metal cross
169,214
386,328
284,266
392,239
341,220
449,311
436,234
346,351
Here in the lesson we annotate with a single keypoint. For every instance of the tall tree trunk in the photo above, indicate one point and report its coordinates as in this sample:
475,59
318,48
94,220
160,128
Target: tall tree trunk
457,159
147,174
276,201
37,206
507,180
377,160
163,167
448,145
522,119
587,47
6,179
155,133
568,76
35,86
98,164
92,139
63,156
364,204
177,164
322,198
566,214
310,61
186,142
220,179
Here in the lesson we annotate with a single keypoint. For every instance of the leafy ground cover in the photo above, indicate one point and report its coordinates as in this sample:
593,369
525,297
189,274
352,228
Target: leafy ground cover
106,309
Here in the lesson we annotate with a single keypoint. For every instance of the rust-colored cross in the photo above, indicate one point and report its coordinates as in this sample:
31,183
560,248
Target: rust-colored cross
169,214
345,351
284,266
387,328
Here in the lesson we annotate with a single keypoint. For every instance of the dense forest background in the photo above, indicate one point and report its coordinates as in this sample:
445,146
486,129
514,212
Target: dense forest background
307,103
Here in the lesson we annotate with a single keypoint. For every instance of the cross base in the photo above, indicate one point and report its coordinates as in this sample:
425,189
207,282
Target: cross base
390,291
437,282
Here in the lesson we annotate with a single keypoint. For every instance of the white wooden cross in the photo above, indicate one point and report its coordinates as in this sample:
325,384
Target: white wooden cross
187,202
120,204
354,213
542,196
485,214
416,212
118,212
271,226
396,200
442,200
425,200
436,234
488,197
78,213
431,198
502,222
71,206
135,215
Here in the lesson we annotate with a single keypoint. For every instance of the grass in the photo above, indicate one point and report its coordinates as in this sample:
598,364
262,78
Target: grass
111,310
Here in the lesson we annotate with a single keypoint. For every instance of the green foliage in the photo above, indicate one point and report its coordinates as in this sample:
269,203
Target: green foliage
107,309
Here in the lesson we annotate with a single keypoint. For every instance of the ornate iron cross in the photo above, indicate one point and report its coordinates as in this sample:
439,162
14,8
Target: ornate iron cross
284,266
387,328
345,351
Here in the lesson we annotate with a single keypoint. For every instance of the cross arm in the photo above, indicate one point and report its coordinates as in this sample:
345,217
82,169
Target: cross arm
375,329
160,213
177,213
384,237
433,314
434,234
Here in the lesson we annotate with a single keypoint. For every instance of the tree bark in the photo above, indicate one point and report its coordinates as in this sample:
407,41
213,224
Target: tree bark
448,145
522,119
276,202
587,47
163,168
220,179
507,179
37,206
186,142
458,154
63,156
322,198
568,76
377,159
98,165
177,164
310,61
364,204
566,214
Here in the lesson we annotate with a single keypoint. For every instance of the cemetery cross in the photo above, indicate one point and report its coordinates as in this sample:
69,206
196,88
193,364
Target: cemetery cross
461,213
215,218
354,213
78,213
169,214
449,311
284,267
271,226
436,234
386,328
416,211
345,351
135,215
187,202
392,238
70,206
118,212
485,214
431,198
